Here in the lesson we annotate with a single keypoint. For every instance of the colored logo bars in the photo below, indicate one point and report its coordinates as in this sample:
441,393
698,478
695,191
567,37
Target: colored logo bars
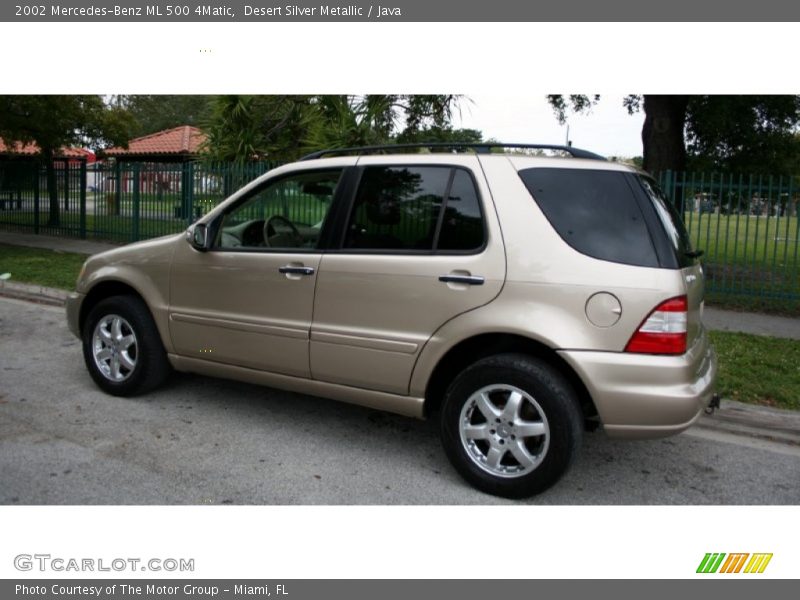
713,563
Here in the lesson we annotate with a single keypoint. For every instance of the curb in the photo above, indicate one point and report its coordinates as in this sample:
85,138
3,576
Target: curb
763,422
33,293
737,418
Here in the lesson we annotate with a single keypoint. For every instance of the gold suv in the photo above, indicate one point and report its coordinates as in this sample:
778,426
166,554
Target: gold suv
520,298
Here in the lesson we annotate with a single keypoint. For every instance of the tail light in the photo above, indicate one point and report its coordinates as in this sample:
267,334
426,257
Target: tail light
664,329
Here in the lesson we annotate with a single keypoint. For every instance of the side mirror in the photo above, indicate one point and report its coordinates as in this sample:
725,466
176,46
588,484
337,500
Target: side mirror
197,236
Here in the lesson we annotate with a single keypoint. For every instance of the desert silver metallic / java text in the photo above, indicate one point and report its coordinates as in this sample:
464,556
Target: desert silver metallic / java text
114,348
504,430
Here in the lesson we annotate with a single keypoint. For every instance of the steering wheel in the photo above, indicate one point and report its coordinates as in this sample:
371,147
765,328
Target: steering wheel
290,233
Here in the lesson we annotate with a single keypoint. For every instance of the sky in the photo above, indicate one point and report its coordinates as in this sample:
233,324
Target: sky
608,130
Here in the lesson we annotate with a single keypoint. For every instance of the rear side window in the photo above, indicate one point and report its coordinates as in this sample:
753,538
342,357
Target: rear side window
595,212
462,225
408,208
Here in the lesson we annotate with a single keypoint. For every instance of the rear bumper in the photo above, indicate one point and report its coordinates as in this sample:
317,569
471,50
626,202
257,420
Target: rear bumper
648,396
73,307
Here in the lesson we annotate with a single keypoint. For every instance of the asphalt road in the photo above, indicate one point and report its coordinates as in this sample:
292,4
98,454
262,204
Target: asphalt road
207,441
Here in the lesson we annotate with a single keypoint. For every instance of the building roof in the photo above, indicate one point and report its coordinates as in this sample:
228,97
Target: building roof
179,141
32,149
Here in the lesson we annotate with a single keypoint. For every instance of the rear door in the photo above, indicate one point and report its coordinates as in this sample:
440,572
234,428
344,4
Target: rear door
419,243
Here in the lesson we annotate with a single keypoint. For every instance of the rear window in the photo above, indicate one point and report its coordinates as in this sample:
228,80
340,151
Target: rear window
595,212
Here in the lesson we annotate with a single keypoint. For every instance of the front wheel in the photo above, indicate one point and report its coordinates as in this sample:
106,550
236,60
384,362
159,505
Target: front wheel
122,348
511,425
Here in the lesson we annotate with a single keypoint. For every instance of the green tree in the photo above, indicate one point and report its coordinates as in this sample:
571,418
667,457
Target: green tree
244,128
347,121
152,113
423,112
446,134
55,122
755,133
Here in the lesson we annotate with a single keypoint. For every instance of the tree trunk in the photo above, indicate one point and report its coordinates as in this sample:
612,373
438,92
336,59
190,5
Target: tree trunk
662,134
54,217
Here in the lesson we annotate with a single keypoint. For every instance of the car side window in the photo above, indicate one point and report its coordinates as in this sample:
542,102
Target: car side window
415,208
462,225
594,211
287,214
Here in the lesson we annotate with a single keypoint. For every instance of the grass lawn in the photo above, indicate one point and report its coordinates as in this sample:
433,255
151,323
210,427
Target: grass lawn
156,218
745,239
747,256
116,228
44,267
758,369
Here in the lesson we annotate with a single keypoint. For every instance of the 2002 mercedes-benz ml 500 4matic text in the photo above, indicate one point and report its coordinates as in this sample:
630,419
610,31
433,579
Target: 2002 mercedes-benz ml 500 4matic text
522,299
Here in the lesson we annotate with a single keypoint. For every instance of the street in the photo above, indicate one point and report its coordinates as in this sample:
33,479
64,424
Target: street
205,441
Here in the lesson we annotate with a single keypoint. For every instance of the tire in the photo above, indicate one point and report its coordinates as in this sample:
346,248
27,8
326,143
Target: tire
122,347
531,434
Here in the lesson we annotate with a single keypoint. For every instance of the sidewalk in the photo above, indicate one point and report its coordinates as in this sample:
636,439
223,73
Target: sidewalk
718,319
54,243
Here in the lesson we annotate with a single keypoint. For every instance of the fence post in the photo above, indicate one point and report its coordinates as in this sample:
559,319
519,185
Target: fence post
83,199
187,192
117,205
37,175
678,190
226,181
668,189
66,185
136,202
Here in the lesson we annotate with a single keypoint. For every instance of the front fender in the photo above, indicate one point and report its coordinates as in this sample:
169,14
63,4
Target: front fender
143,267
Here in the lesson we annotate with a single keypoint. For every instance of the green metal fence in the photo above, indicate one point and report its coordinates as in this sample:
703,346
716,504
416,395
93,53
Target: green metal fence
747,225
122,202
748,229
25,203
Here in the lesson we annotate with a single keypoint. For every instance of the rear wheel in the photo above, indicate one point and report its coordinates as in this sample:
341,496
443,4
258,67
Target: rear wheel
122,348
511,425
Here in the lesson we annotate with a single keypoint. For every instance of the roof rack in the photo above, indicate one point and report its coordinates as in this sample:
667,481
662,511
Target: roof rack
479,148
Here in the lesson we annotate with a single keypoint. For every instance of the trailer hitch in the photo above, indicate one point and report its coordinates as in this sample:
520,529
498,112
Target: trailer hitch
713,404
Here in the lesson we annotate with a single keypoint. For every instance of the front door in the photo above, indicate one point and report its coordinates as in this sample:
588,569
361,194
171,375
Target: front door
248,301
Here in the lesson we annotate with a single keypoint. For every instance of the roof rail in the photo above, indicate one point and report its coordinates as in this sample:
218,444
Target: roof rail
479,148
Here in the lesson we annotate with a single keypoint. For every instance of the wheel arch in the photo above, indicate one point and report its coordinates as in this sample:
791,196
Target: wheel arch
106,289
475,348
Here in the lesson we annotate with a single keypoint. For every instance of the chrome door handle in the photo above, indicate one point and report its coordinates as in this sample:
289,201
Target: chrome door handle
467,279
288,269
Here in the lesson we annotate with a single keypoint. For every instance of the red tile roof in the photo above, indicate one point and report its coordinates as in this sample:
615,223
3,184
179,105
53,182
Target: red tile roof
32,149
180,140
